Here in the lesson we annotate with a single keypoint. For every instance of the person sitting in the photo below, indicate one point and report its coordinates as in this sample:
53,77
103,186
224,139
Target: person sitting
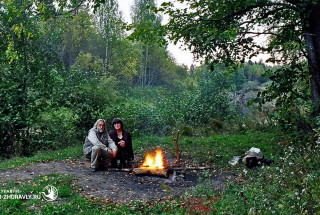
123,141
98,146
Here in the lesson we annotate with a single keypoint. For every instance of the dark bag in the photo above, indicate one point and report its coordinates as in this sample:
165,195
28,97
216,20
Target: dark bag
251,162
267,161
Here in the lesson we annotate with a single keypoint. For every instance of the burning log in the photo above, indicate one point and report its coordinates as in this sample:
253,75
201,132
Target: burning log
153,164
157,172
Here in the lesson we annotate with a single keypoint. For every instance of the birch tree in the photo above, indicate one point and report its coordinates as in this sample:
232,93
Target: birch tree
108,19
144,18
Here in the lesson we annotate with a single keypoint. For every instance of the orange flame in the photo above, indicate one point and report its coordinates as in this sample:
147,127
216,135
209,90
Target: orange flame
153,161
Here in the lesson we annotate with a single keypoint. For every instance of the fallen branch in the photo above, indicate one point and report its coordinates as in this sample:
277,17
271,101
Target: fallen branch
146,171
192,168
120,170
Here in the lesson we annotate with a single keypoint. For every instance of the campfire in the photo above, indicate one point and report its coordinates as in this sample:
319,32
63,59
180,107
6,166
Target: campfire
153,161
153,164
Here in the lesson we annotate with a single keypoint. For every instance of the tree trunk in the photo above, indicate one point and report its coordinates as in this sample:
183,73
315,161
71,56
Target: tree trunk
106,55
312,36
146,67
141,75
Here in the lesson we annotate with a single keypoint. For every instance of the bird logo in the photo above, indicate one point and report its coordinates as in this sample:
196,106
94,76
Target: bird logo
50,193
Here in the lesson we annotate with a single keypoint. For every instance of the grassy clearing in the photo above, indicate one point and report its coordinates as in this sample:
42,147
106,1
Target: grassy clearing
69,152
214,150
290,186
199,149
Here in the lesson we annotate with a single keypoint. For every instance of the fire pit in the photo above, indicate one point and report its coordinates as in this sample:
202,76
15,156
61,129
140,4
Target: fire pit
153,164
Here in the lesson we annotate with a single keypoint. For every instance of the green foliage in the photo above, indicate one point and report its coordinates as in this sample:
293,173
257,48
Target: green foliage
55,122
155,67
146,23
220,149
43,106
186,131
27,77
255,72
158,111
86,97
123,63
290,87
77,34
89,64
209,100
238,78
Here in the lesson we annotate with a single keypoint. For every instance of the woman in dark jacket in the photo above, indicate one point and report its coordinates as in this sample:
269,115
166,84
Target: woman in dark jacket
123,141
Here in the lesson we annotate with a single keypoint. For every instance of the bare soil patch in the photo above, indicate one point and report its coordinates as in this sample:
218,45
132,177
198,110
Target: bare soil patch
117,186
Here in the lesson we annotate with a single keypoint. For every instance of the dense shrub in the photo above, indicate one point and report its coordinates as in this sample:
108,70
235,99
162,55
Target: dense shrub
54,123
291,91
159,111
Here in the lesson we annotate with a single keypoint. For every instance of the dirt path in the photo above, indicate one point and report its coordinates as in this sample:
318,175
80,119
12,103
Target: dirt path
119,187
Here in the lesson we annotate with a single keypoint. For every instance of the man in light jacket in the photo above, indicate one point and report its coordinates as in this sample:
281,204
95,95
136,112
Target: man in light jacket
98,146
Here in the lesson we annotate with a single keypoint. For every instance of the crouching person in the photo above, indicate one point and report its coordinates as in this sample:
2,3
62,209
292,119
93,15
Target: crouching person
99,147
123,141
